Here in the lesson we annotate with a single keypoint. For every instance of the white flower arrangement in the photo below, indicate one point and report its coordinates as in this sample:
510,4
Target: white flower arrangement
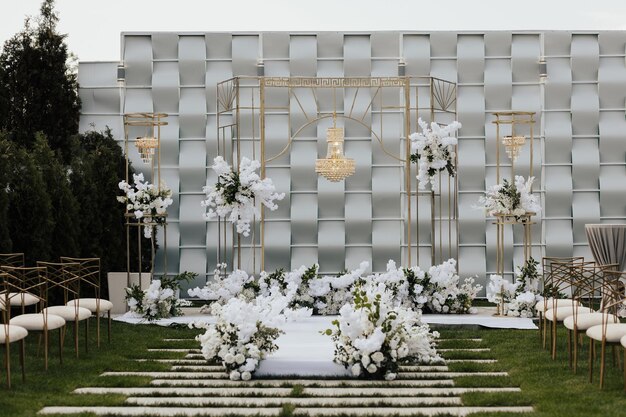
438,290
146,201
434,150
160,300
514,199
520,297
244,334
372,335
233,196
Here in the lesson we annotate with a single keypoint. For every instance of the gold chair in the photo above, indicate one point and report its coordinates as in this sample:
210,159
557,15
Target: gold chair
588,284
608,332
89,273
64,276
34,281
17,260
10,333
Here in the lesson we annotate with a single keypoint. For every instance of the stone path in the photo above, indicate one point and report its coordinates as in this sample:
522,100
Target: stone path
192,387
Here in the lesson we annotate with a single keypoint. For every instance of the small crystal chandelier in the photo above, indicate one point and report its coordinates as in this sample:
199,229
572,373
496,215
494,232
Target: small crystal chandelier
146,146
512,145
335,167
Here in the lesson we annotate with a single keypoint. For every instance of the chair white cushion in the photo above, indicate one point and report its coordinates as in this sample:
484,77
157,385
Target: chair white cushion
563,312
15,299
15,333
544,305
614,332
623,341
36,321
69,313
587,320
92,303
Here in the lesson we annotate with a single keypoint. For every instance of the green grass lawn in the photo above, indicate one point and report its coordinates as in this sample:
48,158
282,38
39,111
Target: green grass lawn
549,386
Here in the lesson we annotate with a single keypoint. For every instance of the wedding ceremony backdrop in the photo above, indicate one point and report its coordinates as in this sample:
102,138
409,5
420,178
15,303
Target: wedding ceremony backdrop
271,96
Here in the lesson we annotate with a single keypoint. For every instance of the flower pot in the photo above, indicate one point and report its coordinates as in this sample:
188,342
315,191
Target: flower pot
117,285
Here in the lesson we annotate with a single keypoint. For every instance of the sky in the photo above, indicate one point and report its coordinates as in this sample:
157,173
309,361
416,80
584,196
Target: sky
94,26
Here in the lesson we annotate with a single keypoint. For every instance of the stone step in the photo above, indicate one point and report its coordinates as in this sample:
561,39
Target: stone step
408,411
205,368
465,350
176,361
274,392
179,340
471,361
194,356
161,411
426,375
191,351
309,411
423,368
171,375
460,340
303,402
303,382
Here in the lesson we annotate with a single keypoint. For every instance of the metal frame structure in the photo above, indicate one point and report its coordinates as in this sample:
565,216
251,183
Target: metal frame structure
142,124
243,104
518,121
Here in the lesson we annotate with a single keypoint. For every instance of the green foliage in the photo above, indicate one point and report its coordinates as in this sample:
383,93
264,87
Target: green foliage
6,161
38,86
174,282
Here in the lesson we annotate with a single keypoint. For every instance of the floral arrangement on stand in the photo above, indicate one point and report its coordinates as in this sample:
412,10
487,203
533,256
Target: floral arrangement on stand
160,300
438,290
518,299
511,198
146,201
373,335
234,194
433,151
245,333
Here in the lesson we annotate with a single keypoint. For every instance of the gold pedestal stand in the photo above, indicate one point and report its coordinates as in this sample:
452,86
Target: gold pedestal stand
501,221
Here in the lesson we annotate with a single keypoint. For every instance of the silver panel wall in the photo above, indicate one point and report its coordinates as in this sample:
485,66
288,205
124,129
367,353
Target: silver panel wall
580,165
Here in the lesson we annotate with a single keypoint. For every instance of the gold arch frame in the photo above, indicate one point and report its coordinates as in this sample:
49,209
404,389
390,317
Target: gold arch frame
239,98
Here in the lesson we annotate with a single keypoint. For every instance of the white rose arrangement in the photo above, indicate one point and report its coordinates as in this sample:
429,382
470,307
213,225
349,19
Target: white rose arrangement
510,198
160,300
372,335
518,298
146,201
434,151
234,195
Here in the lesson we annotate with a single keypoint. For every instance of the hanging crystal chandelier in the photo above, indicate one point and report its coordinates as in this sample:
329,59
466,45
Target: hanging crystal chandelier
512,145
335,167
146,146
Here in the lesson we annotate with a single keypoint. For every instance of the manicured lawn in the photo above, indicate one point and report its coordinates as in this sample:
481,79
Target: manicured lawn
549,386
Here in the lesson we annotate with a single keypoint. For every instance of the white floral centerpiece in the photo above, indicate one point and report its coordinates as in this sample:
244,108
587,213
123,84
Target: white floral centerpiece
372,336
160,300
513,199
233,196
519,298
245,333
224,287
433,150
146,201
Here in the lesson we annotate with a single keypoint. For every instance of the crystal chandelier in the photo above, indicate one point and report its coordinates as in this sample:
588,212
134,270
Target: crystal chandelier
335,167
146,146
512,145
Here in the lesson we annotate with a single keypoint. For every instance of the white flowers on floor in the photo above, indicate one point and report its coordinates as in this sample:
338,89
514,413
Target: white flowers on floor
374,334
234,195
160,300
244,334
433,151
145,201
515,199
518,299
438,290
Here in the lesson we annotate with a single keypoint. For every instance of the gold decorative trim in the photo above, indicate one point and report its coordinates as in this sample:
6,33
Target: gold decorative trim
333,82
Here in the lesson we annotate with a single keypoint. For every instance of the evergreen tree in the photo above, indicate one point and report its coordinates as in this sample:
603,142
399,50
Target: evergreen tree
30,221
6,167
38,87
65,207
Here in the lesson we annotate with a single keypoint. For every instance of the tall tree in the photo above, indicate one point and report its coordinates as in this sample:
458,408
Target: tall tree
38,86
6,168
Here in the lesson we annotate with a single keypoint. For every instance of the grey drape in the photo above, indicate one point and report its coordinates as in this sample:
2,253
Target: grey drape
608,243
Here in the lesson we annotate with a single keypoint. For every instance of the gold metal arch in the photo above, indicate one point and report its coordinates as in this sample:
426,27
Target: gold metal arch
243,104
